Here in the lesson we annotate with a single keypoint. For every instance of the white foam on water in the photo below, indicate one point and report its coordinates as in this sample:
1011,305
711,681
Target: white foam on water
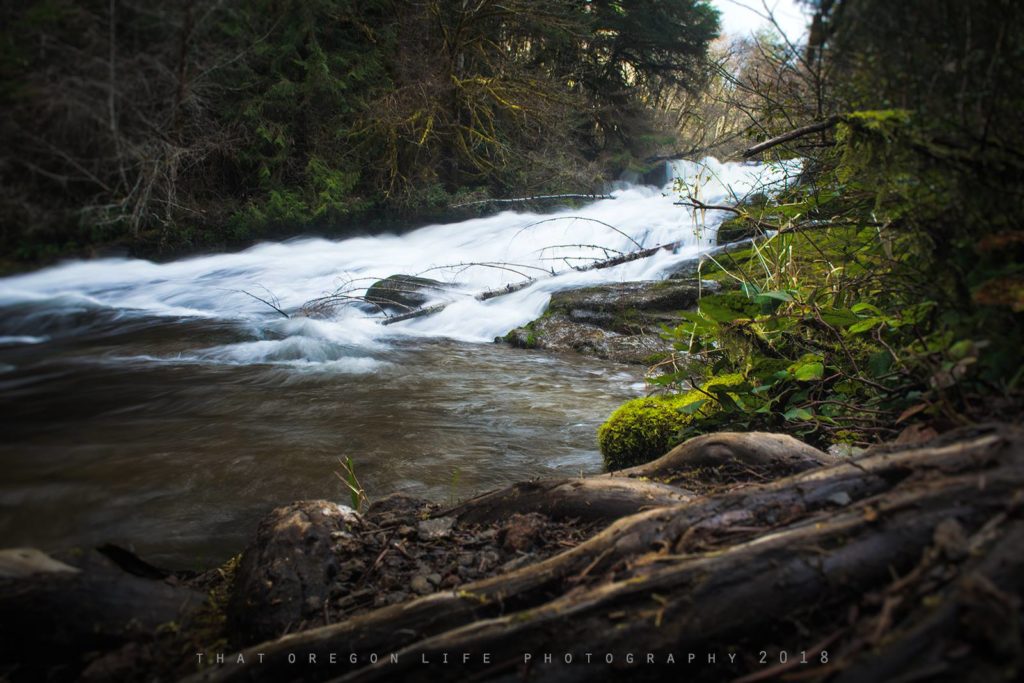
470,256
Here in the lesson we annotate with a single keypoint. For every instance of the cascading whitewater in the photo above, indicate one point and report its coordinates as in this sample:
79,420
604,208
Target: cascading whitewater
158,405
474,255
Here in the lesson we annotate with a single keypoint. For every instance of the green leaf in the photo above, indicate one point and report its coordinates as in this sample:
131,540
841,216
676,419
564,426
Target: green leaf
961,349
691,408
879,363
840,318
780,295
865,325
798,415
807,372
864,306
726,308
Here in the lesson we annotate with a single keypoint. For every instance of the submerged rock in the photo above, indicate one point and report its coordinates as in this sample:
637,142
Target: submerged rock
403,293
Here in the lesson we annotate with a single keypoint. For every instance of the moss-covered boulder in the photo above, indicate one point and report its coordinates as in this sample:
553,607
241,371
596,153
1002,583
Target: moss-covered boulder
620,321
736,229
644,429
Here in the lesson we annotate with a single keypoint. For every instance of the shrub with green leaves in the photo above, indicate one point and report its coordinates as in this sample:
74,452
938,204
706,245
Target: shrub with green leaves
856,315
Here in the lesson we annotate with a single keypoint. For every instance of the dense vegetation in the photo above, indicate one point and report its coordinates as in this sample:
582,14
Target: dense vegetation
170,126
891,292
889,301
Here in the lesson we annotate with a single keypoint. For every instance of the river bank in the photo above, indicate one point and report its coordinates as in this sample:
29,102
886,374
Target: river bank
770,548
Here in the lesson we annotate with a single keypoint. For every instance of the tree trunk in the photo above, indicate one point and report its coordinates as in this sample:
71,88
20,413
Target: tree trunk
899,564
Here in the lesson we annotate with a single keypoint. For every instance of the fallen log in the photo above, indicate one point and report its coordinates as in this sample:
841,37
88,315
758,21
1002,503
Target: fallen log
515,287
586,500
671,479
794,563
57,615
739,456
598,265
545,197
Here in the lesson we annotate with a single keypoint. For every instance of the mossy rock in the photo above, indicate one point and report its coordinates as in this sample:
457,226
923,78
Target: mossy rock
736,229
644,429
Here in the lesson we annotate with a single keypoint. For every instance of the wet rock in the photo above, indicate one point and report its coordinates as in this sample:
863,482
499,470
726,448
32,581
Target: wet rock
401,293
627,307
620,321
60,616
286,575
430,529
741,227
556,333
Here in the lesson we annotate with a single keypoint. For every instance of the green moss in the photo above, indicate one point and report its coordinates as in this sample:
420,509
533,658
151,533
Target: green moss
735,229
519,340
643,429
646,428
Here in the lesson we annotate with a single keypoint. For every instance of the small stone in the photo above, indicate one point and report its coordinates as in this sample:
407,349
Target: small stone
430,529
841,498
421,585
845,450
396,597
465,559
434,579
488,559
405,531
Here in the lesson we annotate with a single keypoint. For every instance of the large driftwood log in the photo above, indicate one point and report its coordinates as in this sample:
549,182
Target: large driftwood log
746,456
57,616
669,480
895,552
586,500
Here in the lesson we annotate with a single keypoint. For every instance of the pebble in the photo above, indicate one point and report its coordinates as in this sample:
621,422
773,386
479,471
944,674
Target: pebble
840,498
420,584
430,529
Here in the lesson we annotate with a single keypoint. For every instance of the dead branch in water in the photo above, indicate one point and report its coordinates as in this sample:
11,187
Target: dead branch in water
515,200
276,306
578,218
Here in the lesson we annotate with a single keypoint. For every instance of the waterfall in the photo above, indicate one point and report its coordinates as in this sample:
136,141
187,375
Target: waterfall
102,296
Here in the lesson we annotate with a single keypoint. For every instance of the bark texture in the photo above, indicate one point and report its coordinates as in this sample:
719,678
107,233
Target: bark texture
899,565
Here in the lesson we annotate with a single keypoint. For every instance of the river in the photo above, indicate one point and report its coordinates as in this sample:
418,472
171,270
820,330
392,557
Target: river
166,408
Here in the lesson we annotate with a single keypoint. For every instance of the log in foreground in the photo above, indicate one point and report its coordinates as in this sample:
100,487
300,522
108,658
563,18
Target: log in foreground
901,564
